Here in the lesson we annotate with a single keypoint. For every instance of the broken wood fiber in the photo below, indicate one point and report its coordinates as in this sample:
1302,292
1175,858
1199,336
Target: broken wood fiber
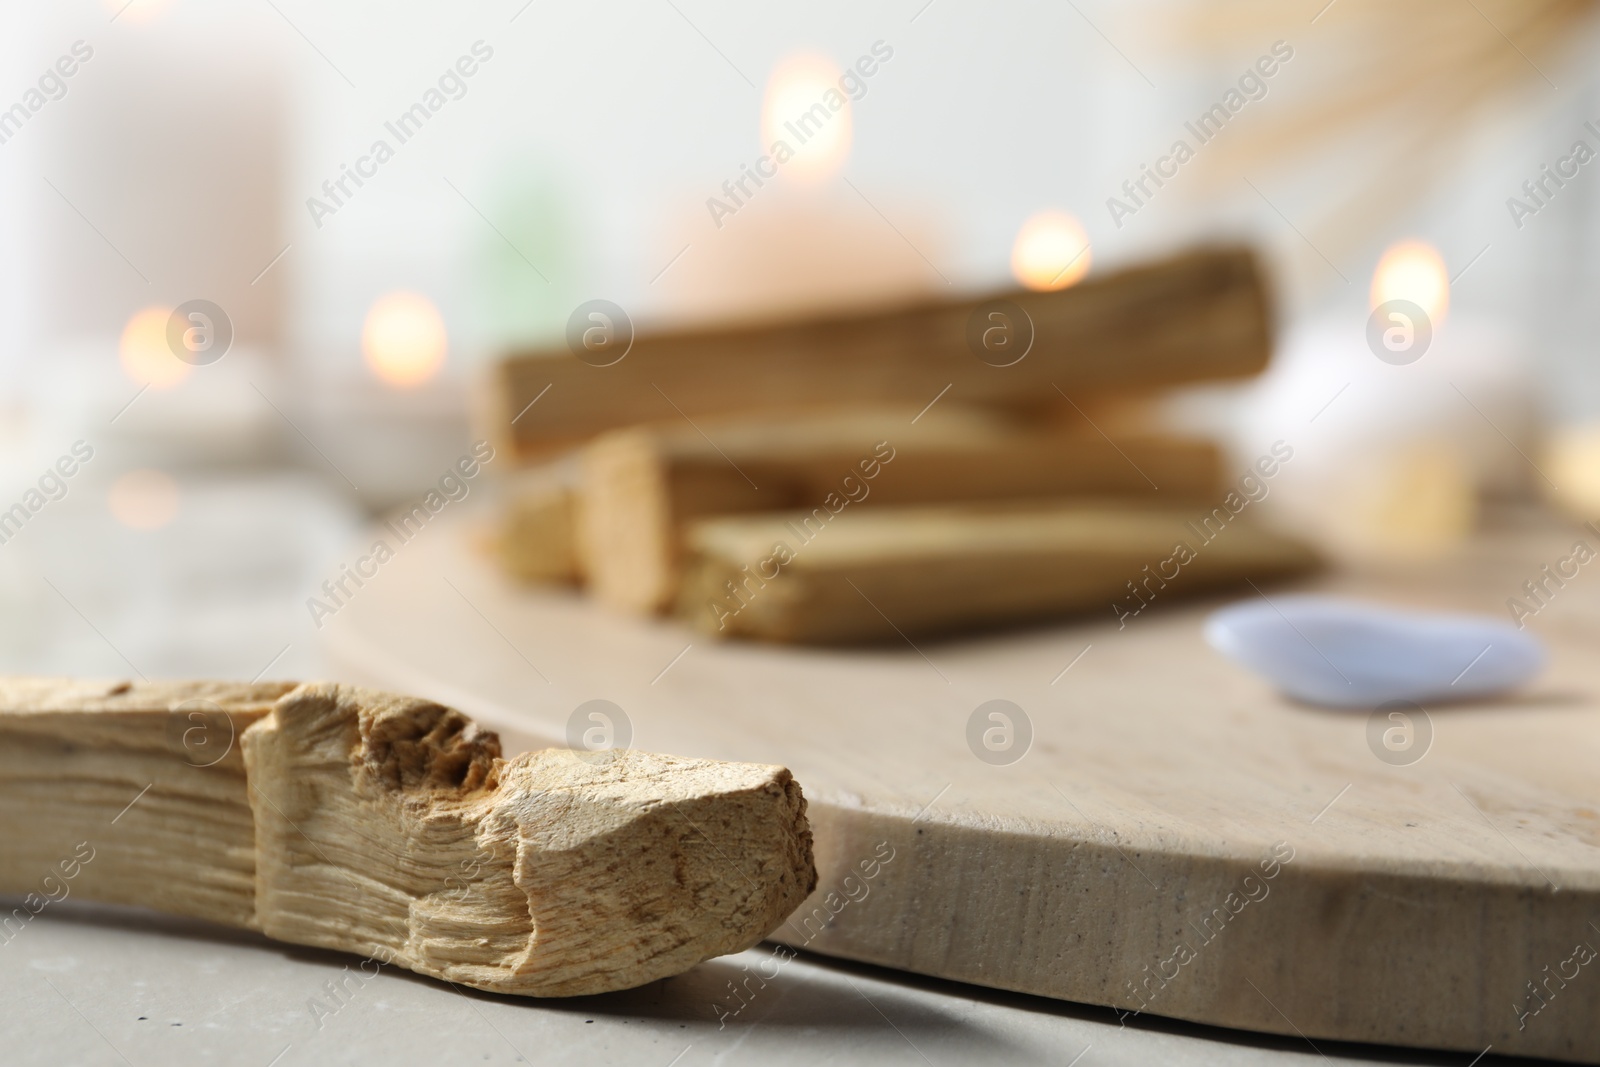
391,827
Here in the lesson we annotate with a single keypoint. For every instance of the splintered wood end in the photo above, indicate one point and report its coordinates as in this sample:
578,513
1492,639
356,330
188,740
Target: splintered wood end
391,826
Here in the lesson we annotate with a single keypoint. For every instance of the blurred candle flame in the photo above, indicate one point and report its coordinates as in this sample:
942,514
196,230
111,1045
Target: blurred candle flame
143,349
1051,251
404,339
797,112
1413,270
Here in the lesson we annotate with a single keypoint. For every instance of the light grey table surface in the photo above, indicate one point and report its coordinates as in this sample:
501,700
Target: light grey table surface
91,984
220,592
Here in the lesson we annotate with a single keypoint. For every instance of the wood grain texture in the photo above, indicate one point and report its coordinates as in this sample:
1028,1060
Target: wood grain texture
641,488
1199,316
1418,905
807,576
390,827
75,755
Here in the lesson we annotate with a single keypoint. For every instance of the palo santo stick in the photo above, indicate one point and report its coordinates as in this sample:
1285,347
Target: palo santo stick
390,827
537,541
540,538
1198,316
891,572
640,488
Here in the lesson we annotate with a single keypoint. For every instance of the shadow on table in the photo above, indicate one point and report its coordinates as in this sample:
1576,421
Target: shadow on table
801,993
1115,1021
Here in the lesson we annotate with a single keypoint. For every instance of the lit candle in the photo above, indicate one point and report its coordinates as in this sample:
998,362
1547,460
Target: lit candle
403,339
781,232
1400,414
798,113
1051,251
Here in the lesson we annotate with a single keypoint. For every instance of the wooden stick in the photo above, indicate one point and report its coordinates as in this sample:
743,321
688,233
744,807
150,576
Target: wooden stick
889,573
538,529
1199,316
640,488
390,827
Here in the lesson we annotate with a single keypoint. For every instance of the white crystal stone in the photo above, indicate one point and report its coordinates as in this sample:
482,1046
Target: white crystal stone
1349,654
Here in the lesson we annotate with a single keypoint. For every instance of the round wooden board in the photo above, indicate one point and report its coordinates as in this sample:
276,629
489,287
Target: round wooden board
1176,839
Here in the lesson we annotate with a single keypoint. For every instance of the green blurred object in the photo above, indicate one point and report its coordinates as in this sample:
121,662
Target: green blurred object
527,273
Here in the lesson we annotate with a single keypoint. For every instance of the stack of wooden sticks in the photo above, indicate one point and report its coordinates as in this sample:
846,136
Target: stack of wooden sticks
927,469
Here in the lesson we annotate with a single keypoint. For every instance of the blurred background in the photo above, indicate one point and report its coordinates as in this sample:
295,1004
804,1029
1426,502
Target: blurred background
157,152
